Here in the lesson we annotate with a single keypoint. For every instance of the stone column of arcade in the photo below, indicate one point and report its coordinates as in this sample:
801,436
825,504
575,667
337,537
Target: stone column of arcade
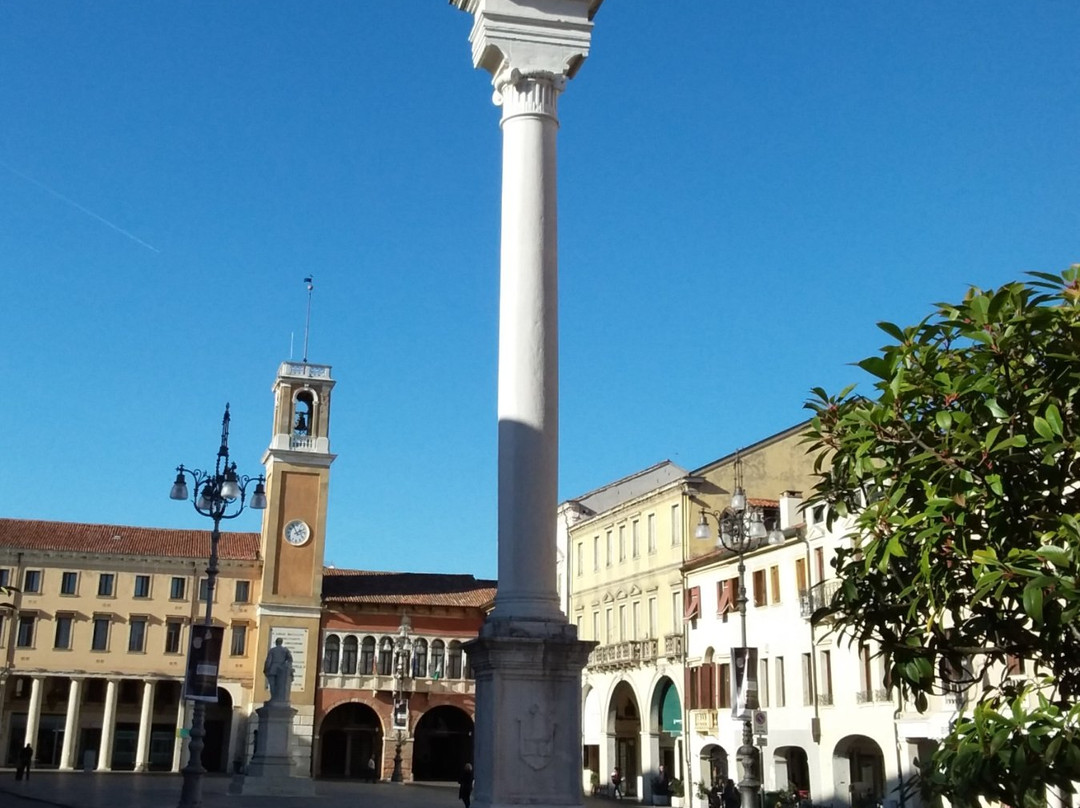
527,659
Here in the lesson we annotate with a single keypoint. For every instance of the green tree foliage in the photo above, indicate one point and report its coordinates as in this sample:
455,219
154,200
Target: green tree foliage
960,482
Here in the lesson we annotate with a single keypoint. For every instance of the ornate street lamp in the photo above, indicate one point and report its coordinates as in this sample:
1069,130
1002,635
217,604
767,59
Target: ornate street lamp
218,495
742,529
402,657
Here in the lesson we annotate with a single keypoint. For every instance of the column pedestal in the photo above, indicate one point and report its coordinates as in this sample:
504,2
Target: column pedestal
528,716
270,772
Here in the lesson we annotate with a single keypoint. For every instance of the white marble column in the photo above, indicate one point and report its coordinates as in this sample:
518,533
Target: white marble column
71,727
184,743
528,349
527,659
179,740
108,727
530,49
146,720
33,714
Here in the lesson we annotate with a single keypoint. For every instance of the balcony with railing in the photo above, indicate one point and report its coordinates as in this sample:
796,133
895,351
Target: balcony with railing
616,655
673,646
304,370
706,722
376,683
818,596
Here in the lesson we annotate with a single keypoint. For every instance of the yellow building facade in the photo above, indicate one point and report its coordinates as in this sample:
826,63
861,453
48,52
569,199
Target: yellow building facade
95,646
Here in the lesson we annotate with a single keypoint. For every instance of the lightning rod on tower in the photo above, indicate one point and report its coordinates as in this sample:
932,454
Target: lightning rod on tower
307,323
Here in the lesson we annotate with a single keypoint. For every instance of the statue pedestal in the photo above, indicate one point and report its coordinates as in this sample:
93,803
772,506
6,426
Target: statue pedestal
528,715
270,771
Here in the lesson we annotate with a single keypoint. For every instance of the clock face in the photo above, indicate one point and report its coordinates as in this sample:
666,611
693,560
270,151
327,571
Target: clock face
297,532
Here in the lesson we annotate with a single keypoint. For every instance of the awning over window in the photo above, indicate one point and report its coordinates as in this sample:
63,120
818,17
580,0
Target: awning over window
671,712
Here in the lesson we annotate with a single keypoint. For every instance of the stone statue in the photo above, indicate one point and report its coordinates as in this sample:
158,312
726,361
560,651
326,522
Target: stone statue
279,672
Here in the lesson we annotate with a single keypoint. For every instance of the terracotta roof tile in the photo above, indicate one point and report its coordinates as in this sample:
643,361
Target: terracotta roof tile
414,588
75,537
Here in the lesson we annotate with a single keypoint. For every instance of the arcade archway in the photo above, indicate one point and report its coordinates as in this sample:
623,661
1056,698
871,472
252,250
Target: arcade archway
442,744
858,769
350,735
665,724
218,724
792,769
624,725
713,768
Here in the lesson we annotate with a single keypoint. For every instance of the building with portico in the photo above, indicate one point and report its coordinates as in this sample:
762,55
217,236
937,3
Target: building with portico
94,647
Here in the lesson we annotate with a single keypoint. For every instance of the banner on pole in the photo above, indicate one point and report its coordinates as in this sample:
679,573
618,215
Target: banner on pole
744,684
204,655
401,714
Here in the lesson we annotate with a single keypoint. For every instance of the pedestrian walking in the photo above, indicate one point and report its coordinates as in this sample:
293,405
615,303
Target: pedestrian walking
616,783
22,764
732,797
371,770
465,785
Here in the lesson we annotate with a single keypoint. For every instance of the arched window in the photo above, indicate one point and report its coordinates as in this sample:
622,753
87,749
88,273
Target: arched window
386,656
348,656
438,658
367,656
420,669
330,654
302,413
453,661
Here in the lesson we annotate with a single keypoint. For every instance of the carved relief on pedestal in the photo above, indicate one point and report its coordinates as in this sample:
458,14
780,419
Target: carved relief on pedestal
536,737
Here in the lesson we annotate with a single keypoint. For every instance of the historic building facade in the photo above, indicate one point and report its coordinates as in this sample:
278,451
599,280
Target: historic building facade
95,643
395,679
95,646
627,547
832,730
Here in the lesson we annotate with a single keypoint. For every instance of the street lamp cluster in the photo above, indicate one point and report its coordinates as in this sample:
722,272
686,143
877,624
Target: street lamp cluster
403,644
218,495
742,529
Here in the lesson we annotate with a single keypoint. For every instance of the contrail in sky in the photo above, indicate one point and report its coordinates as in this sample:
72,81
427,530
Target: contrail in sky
77,206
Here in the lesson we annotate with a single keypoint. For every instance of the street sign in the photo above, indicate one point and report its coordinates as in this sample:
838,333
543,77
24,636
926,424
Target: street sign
761,723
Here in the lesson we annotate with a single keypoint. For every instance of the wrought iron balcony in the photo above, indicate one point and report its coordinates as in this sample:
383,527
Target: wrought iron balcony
817,596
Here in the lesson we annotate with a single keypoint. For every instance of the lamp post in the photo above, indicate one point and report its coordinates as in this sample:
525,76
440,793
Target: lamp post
742,529
402,658
219,495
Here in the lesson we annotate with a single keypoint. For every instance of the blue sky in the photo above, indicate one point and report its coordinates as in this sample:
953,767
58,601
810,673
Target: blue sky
745,189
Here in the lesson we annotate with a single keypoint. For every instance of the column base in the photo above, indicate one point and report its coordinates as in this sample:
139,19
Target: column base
528,717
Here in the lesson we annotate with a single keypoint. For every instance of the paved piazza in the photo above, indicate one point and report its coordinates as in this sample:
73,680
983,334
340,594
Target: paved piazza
121,790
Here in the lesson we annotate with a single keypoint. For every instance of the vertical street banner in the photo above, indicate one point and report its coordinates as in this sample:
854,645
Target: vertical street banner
744,685
401,714
204,655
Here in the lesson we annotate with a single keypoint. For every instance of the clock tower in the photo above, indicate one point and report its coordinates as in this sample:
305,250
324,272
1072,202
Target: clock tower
294,538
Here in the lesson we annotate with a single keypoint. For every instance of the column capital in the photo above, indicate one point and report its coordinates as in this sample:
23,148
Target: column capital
535,94
534,37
